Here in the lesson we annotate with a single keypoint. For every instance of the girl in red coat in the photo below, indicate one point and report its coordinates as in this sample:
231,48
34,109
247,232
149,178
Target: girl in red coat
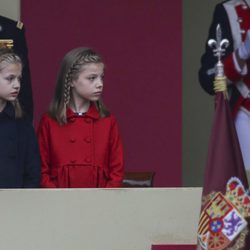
79,141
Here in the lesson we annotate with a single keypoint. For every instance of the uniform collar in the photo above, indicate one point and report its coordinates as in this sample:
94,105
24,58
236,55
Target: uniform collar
91,113
8,110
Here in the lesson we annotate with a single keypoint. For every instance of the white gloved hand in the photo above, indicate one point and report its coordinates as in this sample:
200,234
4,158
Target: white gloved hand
244,49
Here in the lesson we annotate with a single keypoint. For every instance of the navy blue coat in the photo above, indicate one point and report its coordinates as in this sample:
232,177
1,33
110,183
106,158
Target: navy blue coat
19,153
10,29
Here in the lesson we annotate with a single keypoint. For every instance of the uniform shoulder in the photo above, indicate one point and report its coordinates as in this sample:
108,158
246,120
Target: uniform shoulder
10,22
220,10
9,25
7,20
231,2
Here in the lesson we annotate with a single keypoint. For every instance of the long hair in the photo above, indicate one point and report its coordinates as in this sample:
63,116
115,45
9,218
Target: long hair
7,56
69,70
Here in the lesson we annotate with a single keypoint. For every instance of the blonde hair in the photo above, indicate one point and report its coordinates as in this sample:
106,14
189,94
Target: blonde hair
7,56
70,68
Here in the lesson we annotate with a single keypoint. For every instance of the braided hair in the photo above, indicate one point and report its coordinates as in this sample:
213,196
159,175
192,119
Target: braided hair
7,57
69,71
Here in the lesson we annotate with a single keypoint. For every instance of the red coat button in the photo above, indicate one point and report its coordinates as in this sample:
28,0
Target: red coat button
72,140
72,161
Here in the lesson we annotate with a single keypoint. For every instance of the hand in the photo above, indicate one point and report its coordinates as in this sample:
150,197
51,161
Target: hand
244,49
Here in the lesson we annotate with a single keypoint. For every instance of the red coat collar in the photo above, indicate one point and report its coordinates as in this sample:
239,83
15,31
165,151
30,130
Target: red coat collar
91,113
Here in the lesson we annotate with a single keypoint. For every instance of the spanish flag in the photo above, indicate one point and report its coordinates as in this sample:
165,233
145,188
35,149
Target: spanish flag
225,201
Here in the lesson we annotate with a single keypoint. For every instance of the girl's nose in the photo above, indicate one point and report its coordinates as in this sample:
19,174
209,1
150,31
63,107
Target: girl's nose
17,83
100,83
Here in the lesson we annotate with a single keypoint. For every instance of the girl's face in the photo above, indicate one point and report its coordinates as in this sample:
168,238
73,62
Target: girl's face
10,76
89,84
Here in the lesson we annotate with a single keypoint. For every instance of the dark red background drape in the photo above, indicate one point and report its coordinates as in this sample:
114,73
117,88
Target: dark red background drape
140,41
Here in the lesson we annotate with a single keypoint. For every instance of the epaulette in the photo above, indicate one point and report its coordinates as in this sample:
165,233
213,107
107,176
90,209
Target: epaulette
6,43
19,25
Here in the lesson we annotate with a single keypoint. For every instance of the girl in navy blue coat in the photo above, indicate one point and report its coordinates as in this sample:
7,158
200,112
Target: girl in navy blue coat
19,154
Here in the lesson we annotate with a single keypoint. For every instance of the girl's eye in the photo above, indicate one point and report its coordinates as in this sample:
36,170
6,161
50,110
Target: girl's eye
92,78
10,78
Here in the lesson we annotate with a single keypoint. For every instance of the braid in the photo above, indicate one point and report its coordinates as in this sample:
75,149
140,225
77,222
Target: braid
67,88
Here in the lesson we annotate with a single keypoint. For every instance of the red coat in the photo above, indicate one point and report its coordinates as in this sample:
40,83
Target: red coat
85,152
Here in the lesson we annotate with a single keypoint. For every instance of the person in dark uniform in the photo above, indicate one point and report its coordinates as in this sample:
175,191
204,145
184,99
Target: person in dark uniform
12,30
234,19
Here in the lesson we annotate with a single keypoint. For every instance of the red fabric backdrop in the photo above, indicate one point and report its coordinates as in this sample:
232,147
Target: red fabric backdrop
140,41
